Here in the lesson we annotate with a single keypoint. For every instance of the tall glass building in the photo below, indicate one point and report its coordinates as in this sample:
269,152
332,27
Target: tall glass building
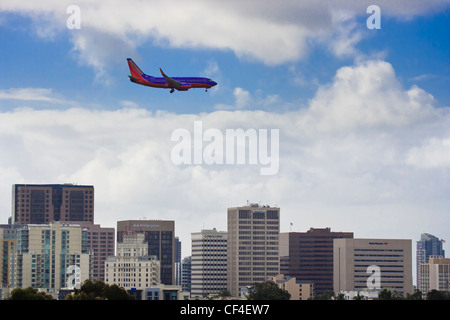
50,257
427,246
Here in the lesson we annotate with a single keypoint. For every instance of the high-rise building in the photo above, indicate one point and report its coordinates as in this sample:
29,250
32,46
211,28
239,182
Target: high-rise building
253,246
372,264
177,250
50,257
8,242
208,262
308,256
186,267
160,236
427,246
132,268
46,203
101,243
435,275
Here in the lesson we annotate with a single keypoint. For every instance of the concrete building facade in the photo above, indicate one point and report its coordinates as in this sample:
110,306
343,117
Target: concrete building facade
46,203
253,246
101,243
372,265
308,256
297,290
133,267
208,262
435,275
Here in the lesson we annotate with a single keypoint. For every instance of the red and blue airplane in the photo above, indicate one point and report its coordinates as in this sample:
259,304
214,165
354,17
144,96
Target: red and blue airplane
178,83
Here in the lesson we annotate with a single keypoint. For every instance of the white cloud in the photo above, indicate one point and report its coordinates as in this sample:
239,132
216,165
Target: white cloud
366,156
29,94
267,31
434,153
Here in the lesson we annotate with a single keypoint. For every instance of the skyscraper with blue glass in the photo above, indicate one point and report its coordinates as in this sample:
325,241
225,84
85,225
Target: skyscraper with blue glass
428,246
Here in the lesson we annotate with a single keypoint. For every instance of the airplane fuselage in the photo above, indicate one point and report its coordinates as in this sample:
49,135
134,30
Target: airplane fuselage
186,82
178,83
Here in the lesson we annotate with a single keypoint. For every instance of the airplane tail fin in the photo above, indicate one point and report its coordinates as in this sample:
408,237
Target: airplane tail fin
134,70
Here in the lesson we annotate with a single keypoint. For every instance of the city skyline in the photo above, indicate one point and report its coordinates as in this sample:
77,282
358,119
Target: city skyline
133,225
362,113
260,215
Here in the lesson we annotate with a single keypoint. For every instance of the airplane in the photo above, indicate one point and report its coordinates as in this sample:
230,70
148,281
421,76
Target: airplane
166,82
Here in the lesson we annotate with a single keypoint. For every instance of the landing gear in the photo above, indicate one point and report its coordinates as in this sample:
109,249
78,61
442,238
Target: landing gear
206,90
172,90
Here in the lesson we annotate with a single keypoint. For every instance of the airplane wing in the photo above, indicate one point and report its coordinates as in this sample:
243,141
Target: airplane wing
172,83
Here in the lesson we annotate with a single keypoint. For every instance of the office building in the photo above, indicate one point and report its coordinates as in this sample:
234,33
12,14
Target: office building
161,292
50,257
427,246
208,263
160,236
372,265
186,267
253,246
308,256
177,250
297,290
43,204
133,267
435,275
101,243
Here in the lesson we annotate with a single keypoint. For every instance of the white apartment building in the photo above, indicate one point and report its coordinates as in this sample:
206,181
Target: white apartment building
208,262
132,267
50,257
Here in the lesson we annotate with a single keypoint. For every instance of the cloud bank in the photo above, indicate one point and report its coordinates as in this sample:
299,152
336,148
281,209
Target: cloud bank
271,32
366,155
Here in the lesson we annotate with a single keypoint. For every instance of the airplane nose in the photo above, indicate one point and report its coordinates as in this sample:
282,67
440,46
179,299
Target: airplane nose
213,83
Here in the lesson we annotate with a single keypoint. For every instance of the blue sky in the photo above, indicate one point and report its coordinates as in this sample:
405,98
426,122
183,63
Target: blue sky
363,114
417,49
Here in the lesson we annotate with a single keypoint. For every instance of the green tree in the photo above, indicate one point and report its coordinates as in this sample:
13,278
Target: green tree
224,293
29,294
359,297
327,295
98,290
417,295
386,294
114,292
267,290
340,296
437,295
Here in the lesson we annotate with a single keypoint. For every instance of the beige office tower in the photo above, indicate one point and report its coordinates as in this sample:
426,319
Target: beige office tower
371,265
208,262
435,275
253,246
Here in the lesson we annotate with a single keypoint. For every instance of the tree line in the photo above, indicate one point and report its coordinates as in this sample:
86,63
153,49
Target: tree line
267,290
